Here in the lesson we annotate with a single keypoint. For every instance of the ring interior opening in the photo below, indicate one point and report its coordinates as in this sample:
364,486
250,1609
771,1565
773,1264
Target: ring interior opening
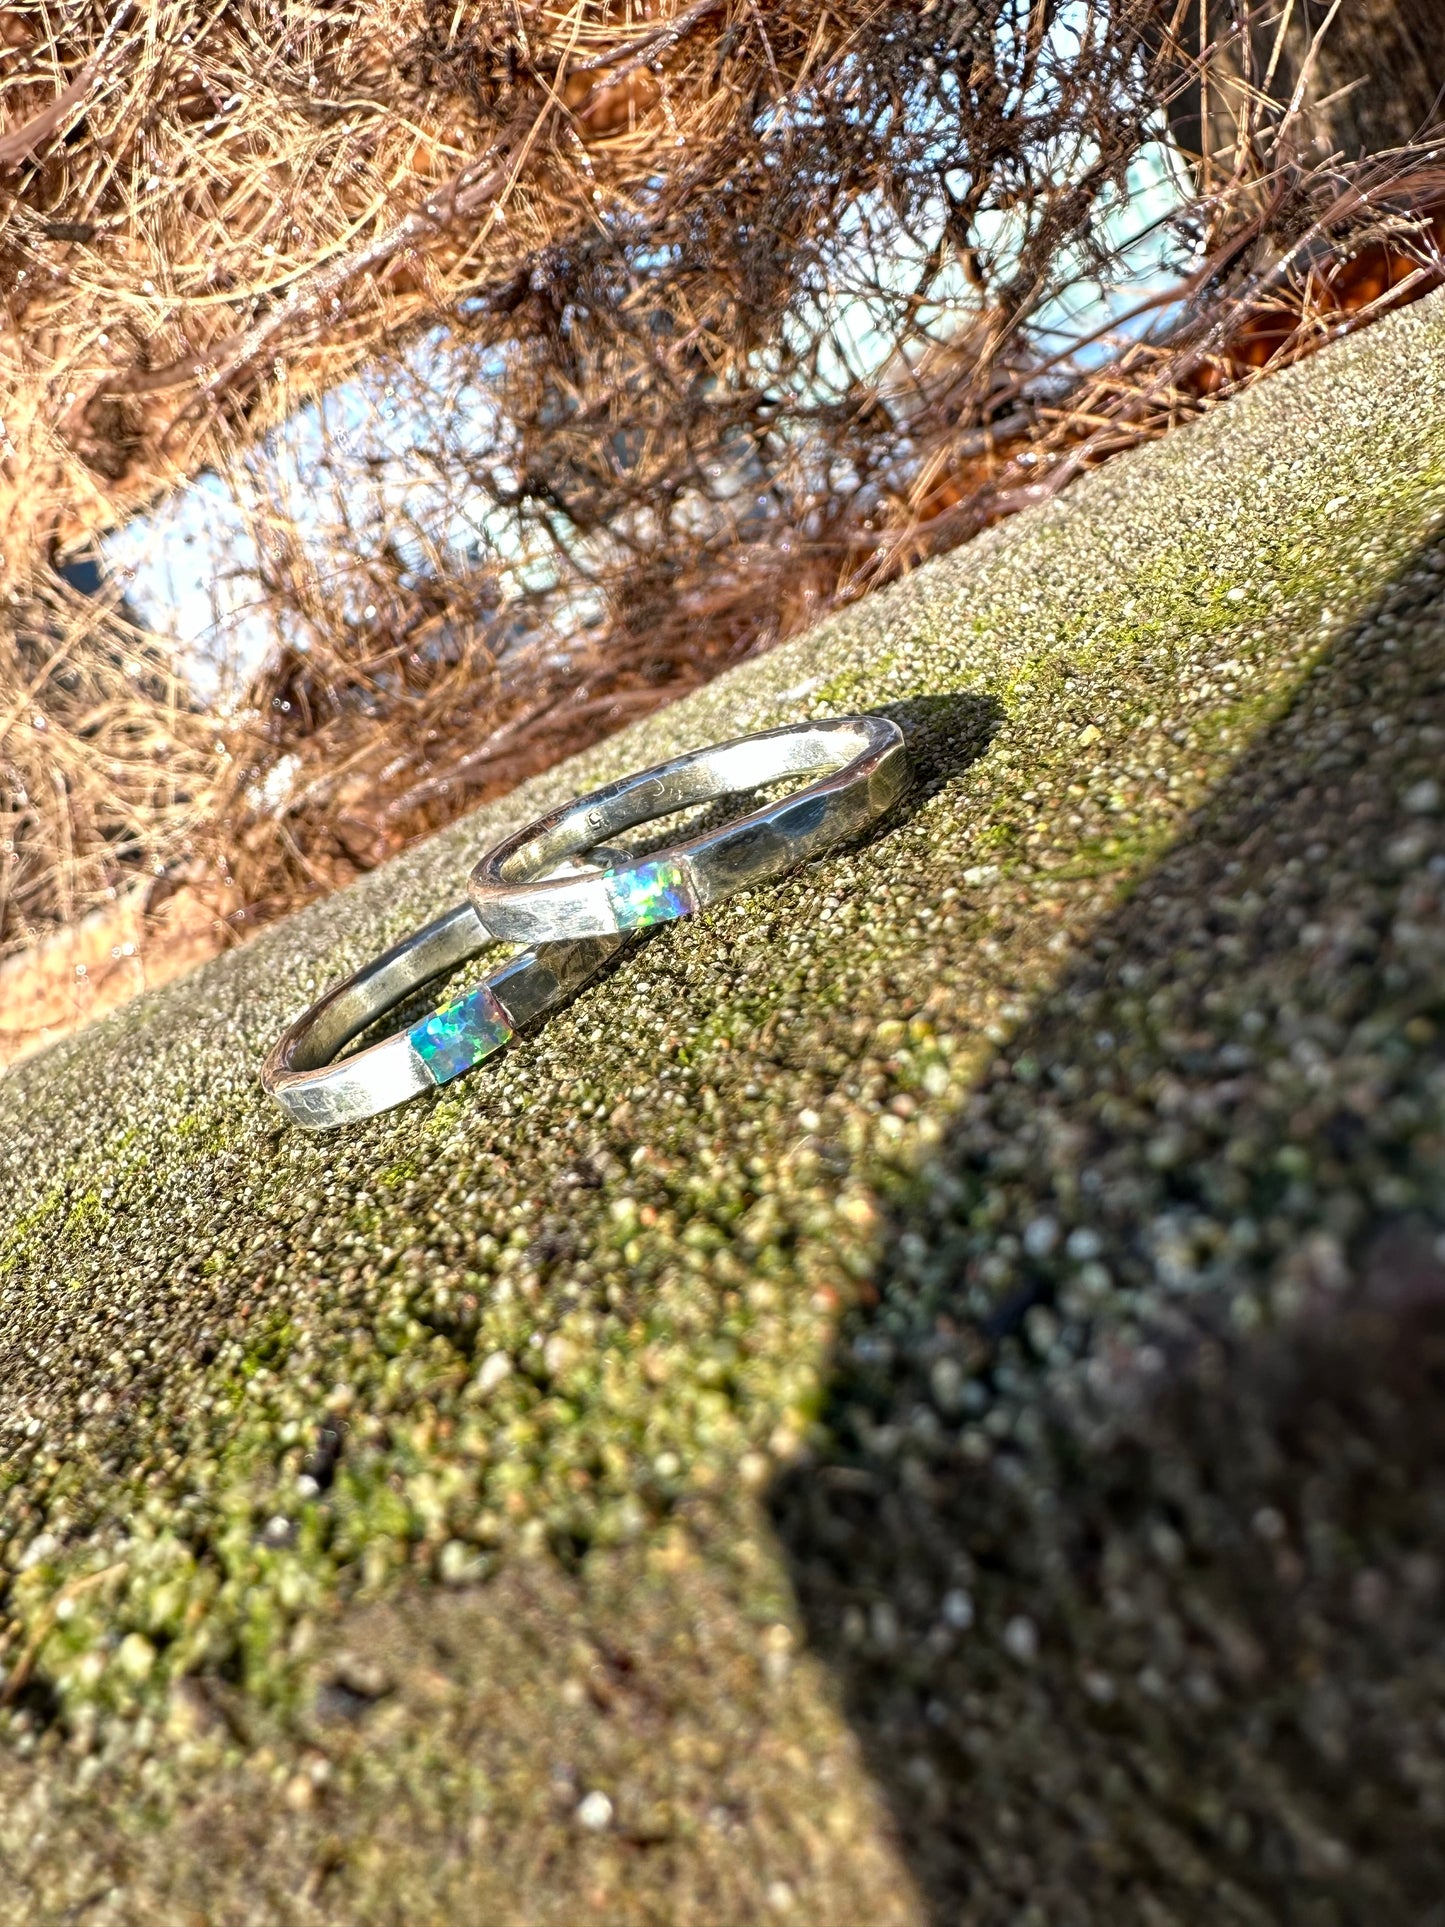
332,1029
708,777
377,992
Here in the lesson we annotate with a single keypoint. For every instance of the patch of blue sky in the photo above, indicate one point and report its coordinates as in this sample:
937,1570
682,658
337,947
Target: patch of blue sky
874,295
369,455
1096,314
884,301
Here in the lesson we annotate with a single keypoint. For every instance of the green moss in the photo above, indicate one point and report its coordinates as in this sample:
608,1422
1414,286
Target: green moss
27,1228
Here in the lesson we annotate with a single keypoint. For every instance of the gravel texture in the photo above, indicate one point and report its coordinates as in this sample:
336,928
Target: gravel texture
917,1399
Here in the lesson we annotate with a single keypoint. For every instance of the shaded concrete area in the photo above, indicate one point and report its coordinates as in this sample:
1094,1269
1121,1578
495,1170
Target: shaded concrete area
1129,1542
910,1401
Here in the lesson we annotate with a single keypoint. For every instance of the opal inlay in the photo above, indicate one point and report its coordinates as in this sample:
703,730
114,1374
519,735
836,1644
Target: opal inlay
459,1035
649,893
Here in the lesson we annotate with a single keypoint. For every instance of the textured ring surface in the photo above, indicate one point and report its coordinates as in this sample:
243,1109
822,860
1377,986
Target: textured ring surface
320,1094
863,764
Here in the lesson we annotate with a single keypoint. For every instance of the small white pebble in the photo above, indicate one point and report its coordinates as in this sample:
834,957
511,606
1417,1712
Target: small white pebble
958,1609
457,1563
1423,798
493,1369
557,1354
1041,1328
945,1380
1040,1237
1269,1524
1021,1639
135,1657
1403,852
594,1811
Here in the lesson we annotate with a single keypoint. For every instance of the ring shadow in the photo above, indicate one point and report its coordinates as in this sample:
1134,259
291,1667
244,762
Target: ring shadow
943,733
1126,1543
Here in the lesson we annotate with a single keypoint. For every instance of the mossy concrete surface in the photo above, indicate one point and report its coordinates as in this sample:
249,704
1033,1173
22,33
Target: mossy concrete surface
917,1398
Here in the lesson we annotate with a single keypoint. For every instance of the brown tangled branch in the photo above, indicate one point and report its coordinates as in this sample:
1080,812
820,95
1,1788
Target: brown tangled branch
466,197
617,339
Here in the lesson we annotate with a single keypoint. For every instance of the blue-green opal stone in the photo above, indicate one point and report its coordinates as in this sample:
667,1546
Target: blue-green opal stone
459,1035
651,893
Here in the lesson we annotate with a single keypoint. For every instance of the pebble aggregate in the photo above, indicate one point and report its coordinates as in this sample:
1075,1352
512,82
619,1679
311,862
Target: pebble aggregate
916,1398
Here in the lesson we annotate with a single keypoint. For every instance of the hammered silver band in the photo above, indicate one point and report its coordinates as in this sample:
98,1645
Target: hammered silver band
320,1094
860,764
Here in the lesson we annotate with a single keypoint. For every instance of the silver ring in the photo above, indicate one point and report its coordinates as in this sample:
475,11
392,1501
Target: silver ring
519,900
320,1094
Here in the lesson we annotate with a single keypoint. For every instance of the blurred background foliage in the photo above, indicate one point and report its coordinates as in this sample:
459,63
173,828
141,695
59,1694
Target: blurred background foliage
395,398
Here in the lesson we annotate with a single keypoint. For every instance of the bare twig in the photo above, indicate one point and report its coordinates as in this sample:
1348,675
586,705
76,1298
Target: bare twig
654,338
